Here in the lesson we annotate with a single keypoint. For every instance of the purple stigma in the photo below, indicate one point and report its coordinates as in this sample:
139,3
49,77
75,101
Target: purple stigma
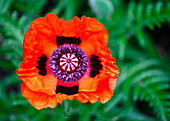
68,63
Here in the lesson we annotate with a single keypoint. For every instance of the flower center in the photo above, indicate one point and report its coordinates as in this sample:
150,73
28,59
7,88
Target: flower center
68,63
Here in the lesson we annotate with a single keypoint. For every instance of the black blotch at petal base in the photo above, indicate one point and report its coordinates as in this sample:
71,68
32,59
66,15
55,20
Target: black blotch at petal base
67,40
67,90
42,65
95,65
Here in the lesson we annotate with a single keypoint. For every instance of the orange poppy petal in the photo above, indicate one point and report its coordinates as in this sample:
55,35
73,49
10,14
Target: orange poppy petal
42,84
75,28
103,89
82,98
54,23
38,99
87,83
91,97
45,34
93,33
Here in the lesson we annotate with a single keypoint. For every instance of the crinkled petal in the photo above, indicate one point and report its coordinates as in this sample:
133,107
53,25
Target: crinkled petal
38,99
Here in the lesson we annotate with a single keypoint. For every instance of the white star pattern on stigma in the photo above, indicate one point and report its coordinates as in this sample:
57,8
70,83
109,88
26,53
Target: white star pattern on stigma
68,62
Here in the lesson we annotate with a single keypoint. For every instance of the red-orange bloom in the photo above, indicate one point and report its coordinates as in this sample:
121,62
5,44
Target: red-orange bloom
66,60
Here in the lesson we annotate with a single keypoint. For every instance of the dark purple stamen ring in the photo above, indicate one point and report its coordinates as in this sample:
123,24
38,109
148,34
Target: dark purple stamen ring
68,63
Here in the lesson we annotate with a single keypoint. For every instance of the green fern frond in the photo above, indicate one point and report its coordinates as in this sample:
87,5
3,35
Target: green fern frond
149,15
146,81
138,16
13,32
5,5
133,68
12,27
148,94
30,7
157,79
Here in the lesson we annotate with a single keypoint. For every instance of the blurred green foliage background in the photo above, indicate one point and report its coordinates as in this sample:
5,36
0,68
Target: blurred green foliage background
139,39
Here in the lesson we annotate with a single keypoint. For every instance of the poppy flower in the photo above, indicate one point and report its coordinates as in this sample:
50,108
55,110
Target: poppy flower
66,60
